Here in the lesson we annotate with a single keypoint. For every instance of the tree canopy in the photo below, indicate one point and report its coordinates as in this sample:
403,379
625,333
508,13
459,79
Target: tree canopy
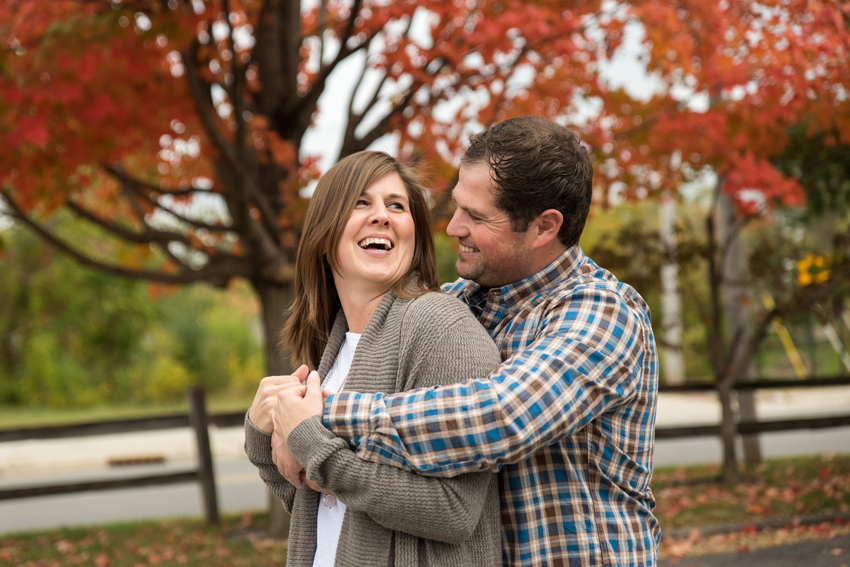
125,112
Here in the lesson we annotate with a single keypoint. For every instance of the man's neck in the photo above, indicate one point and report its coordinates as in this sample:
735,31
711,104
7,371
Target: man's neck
543,258
547,256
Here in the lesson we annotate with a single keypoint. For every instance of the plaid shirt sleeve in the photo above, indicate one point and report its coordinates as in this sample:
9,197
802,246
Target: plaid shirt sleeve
577,356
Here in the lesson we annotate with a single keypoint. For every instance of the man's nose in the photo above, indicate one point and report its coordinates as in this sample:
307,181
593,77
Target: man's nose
456,227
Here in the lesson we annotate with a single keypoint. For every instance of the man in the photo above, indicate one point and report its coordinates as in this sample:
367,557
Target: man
568,418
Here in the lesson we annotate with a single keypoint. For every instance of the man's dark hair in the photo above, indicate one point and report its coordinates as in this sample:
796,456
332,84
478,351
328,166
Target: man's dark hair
536,165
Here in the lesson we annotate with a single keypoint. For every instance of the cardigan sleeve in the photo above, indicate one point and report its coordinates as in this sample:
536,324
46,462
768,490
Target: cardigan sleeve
258,447
442,509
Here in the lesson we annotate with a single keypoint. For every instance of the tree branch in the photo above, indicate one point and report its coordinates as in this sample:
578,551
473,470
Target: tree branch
344,50
236,91
132,187
203,103
229,152
147,237
220,267
182,191
304,106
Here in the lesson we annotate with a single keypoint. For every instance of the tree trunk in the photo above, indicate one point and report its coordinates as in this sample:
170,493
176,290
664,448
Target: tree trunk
736,300
275,300
671,302
728,430
717,356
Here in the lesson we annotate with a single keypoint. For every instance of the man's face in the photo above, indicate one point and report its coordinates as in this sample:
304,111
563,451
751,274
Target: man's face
490,252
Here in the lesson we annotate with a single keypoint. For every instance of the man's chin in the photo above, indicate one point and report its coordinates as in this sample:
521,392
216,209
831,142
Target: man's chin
467,271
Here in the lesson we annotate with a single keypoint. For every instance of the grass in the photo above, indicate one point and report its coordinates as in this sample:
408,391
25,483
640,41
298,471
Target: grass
779,488
166,543
23,417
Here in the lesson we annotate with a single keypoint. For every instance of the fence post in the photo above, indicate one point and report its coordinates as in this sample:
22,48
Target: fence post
198,421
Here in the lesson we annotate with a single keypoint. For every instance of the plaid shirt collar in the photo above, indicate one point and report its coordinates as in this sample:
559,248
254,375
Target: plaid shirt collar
514,295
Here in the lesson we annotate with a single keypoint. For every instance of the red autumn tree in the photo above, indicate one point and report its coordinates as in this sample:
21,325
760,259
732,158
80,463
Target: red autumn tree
128,113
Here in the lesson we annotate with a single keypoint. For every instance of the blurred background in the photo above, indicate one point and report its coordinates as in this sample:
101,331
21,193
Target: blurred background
158,158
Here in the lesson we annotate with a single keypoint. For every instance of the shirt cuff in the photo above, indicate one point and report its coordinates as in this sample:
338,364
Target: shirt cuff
307,440
348,415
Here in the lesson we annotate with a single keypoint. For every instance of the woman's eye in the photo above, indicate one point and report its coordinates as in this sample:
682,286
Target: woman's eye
396,206
361,203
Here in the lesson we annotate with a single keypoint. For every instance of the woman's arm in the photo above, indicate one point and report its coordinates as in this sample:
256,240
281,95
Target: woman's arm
445,510
258,447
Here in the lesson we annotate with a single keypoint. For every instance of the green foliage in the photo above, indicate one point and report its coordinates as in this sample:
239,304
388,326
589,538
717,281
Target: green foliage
75,337
821,166
625,240
446,248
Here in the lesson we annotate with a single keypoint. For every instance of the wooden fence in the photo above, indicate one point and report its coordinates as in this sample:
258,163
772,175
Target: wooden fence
199,421
753,427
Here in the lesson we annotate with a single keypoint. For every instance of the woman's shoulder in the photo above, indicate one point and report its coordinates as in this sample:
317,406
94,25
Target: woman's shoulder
445,316
435,307
440,331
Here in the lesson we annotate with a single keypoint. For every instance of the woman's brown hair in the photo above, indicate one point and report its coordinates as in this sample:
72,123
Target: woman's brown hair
316,304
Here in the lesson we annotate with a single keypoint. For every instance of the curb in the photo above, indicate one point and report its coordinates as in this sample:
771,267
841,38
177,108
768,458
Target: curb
772,523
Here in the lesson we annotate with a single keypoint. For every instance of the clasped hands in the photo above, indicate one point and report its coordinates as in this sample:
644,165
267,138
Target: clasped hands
281,403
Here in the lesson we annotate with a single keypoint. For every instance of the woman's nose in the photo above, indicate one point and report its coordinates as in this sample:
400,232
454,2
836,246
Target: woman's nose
380,215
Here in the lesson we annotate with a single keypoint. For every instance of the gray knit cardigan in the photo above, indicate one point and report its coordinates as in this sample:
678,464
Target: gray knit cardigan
393,517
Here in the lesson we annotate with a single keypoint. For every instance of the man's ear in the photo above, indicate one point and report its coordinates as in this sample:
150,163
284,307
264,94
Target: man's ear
544,229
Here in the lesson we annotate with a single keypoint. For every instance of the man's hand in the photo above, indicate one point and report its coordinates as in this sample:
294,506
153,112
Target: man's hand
288,466
262,408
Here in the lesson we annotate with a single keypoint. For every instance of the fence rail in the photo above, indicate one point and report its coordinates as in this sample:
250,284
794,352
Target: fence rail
116,426
753,427
199,421
841,380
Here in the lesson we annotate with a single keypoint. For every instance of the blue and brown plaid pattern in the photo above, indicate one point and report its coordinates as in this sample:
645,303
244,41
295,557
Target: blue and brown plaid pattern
568,418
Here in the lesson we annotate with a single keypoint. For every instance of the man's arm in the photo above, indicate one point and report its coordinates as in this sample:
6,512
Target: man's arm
586,358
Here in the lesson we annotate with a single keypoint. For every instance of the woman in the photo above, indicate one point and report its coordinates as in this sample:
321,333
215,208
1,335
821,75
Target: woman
368,313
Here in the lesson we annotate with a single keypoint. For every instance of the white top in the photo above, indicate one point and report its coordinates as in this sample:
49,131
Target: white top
329,520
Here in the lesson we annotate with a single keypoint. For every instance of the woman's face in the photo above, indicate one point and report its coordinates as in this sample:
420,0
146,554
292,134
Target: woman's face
377,245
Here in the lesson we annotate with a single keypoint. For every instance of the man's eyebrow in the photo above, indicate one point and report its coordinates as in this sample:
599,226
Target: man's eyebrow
472,211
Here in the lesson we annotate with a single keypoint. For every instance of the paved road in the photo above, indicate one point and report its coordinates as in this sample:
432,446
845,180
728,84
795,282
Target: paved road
237,485
29,463
833,552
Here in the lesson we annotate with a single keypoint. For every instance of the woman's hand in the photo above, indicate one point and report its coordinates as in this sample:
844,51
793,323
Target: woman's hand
296,404
262,408
312,484
286,464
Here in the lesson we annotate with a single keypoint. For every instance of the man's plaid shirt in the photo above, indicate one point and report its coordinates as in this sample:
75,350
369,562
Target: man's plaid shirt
568,418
